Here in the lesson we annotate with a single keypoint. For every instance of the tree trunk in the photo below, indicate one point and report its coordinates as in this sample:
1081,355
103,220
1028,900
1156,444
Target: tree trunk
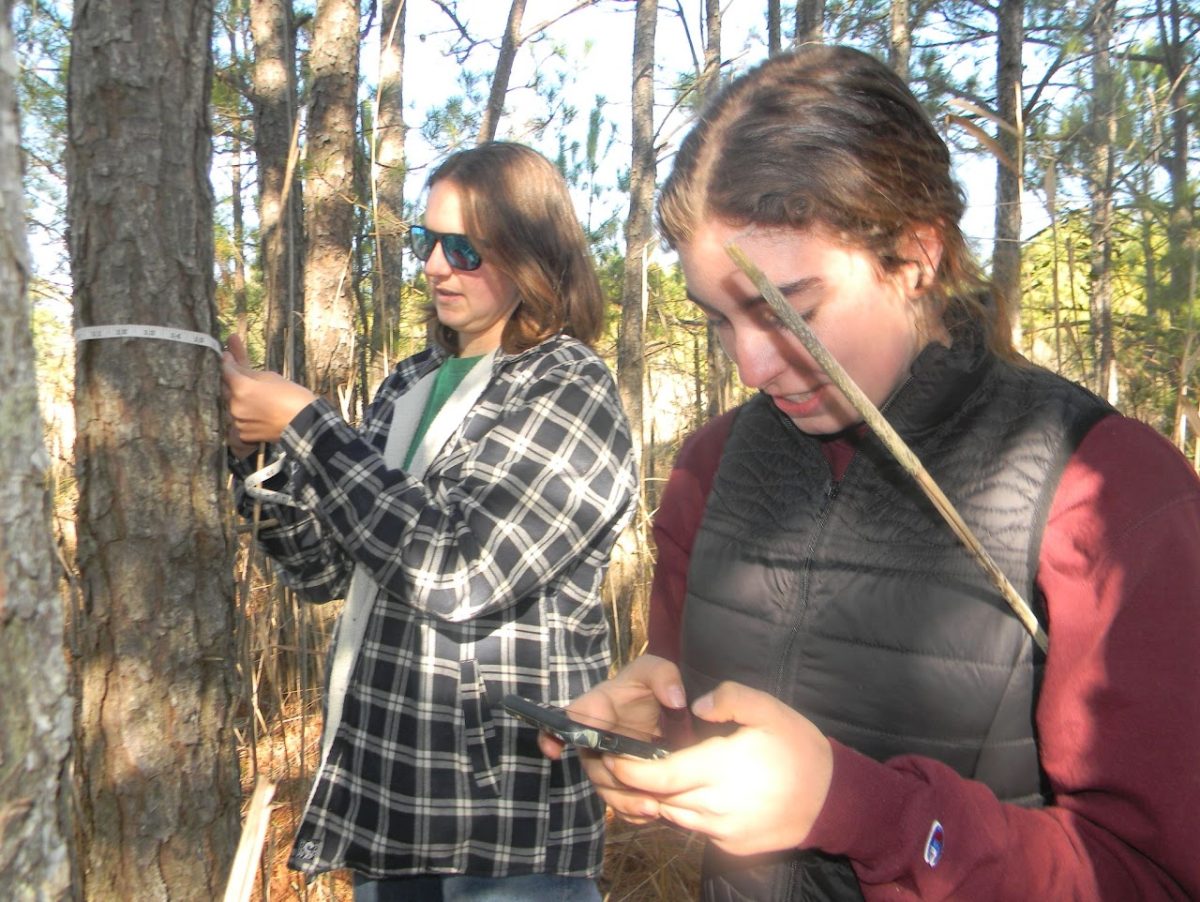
157,756
631,340
710,78
774,27
329,200
1006,252
240,304
899,38
720,374
390,170
1102,191
280,196
500,79
810,22
35,717
1179,72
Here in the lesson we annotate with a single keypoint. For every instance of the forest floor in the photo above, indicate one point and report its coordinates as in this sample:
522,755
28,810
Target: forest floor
655,863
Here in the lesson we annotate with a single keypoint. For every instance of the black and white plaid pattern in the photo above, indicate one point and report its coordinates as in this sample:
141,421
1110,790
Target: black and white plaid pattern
490,568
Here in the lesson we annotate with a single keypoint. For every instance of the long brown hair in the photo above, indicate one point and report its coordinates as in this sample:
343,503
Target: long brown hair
830,137
518,214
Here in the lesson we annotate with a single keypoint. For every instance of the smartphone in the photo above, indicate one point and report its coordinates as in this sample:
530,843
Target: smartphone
581,732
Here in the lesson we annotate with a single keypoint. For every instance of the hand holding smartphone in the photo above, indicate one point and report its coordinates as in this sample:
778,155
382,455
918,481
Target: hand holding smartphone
580,731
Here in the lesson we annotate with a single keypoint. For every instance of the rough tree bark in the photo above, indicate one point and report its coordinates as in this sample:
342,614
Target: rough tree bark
35,715
390,170
157,757
280,197
631,340
329,302
1006,252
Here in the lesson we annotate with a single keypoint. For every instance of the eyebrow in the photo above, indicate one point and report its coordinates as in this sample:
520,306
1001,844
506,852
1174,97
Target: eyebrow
788,289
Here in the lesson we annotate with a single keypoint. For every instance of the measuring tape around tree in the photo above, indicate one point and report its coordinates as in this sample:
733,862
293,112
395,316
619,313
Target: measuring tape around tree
161,333
253,482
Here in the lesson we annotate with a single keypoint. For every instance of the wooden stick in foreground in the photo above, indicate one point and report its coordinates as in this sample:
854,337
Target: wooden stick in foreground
249,850
891,440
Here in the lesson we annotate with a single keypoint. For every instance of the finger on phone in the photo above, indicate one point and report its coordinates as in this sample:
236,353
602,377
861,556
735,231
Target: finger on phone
551,746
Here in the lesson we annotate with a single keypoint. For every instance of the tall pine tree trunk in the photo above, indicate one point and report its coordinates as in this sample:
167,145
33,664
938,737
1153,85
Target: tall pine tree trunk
35,714
631,339
157,755
899,38
280,197
1102,191
390,170
720,373
1179,71
1006,253
329,303
810,22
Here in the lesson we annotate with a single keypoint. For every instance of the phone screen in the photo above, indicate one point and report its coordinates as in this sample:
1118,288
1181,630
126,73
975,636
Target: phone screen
583,732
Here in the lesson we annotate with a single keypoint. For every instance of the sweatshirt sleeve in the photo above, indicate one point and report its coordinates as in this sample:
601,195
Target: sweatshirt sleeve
676,521
1118,716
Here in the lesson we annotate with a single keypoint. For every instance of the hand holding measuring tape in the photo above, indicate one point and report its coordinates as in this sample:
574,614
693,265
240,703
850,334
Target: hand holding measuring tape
261,403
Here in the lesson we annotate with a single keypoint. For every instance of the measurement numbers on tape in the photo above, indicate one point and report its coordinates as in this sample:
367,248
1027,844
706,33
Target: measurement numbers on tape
161,333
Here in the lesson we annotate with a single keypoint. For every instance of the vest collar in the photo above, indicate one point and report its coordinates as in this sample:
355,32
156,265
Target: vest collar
939,382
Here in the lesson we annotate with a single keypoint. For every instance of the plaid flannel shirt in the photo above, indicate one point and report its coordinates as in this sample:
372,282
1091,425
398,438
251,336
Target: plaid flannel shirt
490,571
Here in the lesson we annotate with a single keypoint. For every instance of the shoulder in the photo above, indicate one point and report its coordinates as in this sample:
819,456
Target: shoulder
412,368
1124,485
702,448
699,455
557,350
557,359
1127,465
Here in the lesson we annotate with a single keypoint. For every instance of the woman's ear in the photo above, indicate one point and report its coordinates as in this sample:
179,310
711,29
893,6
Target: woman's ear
922,249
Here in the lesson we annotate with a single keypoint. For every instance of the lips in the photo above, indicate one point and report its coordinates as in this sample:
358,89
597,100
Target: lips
803,404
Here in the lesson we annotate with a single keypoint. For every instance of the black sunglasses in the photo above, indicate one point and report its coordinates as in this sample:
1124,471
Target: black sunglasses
457,248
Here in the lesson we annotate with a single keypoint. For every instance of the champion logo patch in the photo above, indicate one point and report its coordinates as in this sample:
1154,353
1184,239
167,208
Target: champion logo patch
934,844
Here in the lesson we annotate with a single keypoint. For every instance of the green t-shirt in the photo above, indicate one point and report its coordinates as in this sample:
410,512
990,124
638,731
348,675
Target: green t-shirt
452,371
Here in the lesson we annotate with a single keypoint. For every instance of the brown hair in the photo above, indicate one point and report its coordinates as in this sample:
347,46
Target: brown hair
830,137
518,214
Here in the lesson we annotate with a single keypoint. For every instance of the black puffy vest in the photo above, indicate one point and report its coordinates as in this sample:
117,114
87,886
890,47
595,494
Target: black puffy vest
854,603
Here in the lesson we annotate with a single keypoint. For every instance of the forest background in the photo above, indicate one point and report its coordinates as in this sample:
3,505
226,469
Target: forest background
251,166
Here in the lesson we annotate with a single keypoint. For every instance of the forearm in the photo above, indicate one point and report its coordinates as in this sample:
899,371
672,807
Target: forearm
881,816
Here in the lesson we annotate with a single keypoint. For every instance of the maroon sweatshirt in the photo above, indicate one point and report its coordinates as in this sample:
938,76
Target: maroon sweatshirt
1118,716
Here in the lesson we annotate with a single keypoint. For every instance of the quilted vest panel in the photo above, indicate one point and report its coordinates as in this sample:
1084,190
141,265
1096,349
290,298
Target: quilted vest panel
854,602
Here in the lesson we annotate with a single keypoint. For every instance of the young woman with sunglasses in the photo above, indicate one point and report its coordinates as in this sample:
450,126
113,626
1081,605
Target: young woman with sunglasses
468,522
886,727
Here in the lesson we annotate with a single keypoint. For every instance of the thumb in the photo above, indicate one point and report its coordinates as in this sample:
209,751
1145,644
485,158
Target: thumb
736,703
237,347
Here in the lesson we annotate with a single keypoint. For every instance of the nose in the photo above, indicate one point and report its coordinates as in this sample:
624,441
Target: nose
757,355
437,264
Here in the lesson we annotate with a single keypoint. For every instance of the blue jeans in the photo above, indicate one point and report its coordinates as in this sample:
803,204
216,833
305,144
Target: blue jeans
461,888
